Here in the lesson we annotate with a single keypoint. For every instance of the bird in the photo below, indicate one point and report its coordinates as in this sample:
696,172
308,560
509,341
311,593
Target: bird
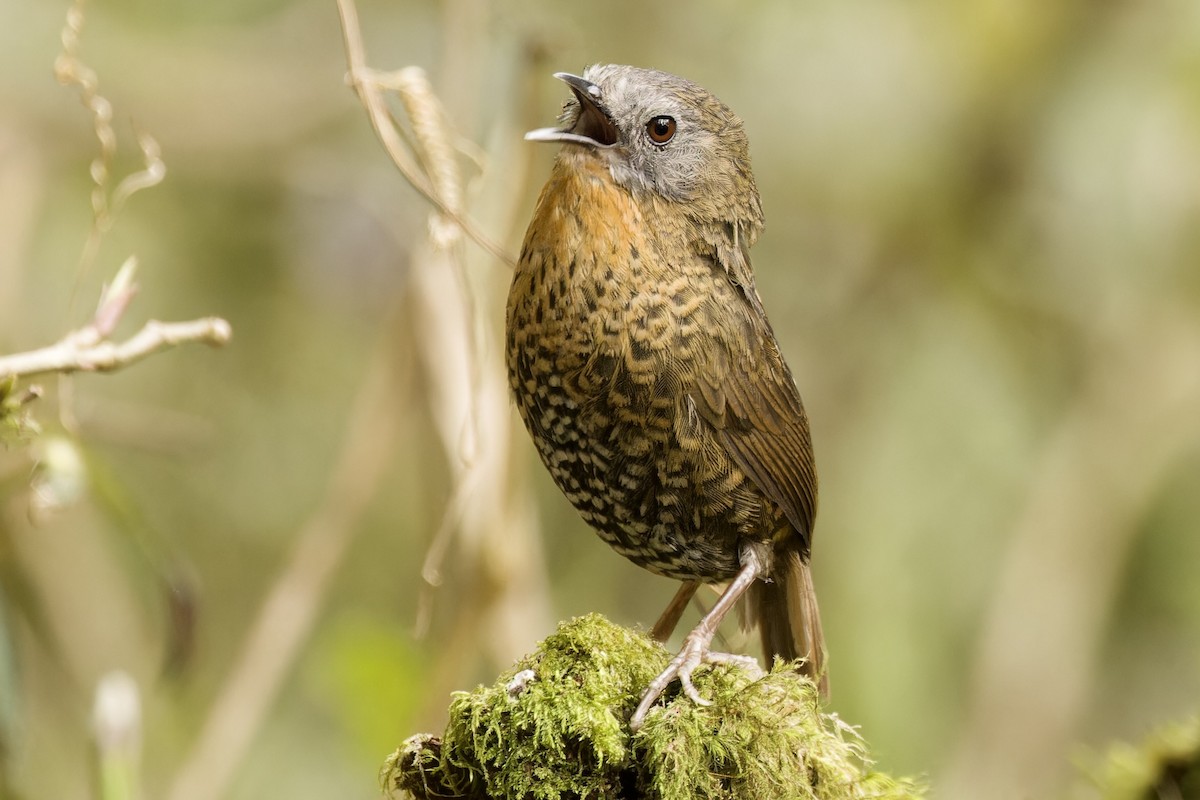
646,371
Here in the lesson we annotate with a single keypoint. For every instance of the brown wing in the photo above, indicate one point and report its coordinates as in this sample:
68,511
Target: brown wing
746,392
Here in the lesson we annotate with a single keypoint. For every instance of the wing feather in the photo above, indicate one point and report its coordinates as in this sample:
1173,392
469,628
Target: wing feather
746,392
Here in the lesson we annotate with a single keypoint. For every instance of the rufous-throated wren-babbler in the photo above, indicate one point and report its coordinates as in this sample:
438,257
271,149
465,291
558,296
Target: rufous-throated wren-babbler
646,371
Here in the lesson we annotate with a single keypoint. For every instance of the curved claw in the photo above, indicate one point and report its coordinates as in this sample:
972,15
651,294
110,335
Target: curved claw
685,680
689,657
693,653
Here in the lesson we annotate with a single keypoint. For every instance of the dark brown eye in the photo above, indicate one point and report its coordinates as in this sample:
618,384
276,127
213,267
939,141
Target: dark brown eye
661,129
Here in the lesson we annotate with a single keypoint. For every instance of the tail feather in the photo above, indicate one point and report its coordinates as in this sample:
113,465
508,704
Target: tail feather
789,619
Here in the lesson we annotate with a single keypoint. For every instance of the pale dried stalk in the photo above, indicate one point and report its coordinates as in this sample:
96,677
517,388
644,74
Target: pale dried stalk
446,313
433,139
496,530
502,600
72,71
493,523
446,331
368,83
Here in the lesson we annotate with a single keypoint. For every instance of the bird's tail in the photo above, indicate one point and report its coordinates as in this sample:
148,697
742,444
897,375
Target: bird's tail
788,617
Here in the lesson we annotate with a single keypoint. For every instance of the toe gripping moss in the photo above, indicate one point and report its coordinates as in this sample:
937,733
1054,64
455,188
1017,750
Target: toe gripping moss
556,726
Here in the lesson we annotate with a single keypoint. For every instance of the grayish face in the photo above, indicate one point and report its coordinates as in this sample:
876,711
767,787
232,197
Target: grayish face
657,132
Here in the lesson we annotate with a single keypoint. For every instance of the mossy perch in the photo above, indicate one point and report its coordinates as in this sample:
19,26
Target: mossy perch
556,725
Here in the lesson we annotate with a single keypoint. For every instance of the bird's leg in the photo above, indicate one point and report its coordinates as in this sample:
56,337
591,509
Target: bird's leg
695,650
670,617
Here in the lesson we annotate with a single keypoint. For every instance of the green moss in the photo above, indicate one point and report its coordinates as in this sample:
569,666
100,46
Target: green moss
1166,765
556,725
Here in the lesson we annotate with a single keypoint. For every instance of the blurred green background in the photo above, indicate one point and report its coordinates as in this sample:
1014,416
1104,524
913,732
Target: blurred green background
982,260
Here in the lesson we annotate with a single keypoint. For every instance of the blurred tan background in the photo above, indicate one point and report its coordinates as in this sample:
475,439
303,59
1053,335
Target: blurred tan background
982,260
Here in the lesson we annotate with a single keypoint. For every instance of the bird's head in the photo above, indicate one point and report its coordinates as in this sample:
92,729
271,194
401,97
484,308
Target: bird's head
662,134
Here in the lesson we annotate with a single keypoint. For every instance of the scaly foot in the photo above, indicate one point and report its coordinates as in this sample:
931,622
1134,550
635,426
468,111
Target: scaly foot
695,651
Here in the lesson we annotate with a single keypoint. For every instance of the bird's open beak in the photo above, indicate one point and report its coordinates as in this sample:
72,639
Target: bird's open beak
588,124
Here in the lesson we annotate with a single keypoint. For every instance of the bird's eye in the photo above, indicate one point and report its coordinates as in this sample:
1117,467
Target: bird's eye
661,129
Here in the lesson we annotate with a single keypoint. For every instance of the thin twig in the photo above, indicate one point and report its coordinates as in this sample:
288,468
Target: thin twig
83,350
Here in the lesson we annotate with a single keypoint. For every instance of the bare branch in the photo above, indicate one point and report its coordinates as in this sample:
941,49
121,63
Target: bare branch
83,350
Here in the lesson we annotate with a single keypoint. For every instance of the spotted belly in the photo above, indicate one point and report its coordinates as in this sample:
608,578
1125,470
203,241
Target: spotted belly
654,496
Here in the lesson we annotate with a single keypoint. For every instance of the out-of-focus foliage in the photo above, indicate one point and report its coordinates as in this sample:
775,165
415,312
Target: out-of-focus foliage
981,260
1166,765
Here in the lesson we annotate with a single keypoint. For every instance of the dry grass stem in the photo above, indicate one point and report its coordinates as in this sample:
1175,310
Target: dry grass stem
433,141
70,70
369,84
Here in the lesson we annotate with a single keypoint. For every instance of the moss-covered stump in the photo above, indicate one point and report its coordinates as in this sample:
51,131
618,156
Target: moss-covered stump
556,725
